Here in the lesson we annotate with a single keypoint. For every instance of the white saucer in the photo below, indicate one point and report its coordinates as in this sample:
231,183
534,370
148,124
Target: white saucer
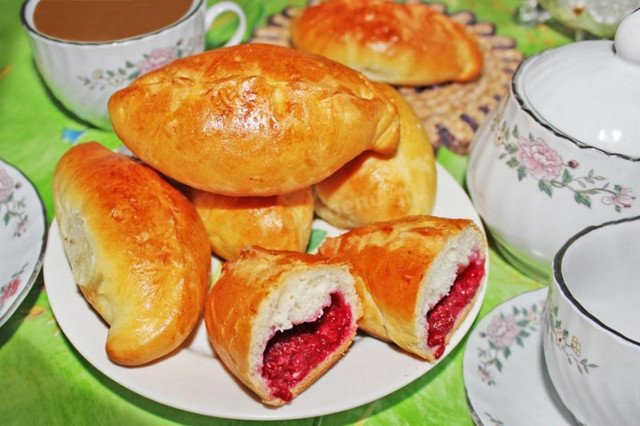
23,232
504,369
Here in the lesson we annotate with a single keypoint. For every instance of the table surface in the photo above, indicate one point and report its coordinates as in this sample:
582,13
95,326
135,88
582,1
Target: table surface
43,379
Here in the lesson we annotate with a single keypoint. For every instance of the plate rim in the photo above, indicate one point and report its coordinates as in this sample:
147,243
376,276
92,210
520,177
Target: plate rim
38,264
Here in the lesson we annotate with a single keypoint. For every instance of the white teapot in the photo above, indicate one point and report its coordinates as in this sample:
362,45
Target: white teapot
562,150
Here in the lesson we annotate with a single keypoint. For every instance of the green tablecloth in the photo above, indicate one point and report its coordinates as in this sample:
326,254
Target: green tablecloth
43,380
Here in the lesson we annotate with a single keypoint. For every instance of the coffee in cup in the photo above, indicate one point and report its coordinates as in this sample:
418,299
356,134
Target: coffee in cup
106,20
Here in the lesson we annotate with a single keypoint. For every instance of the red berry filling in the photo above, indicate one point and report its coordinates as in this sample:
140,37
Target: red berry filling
291,354
442,316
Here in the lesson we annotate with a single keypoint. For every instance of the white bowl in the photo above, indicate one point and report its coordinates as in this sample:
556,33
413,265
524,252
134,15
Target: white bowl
561,152
591,338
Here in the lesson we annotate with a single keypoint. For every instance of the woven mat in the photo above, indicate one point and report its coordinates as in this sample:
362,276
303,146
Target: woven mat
450,112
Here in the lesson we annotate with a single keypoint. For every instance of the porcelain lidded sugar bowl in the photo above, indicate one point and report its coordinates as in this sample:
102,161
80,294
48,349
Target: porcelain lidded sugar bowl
562,150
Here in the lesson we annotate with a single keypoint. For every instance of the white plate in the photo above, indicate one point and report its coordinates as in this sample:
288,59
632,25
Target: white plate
504,369
23,232
194,379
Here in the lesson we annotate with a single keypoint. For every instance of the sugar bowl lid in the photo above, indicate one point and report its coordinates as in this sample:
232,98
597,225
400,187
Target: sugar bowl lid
588,91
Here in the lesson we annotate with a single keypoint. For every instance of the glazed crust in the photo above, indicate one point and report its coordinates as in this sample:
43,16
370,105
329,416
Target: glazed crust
396,43
253,119
137,249
280,222
373,187
244,296
394,259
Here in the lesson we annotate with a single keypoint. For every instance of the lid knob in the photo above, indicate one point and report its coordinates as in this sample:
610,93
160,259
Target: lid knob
627,40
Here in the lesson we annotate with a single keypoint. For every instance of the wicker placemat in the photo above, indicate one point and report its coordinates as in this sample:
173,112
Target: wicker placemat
451,112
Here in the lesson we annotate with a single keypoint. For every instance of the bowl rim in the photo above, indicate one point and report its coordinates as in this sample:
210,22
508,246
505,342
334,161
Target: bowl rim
558,278
34,32
542,122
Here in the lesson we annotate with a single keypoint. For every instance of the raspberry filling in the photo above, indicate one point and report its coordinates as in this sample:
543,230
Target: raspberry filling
442,317
291,354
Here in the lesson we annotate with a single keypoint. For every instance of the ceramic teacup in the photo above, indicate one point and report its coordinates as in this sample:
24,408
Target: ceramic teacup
591,338
83,75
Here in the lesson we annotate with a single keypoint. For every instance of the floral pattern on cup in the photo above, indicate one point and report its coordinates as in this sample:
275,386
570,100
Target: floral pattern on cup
101,78
566,343
503,332
531,157
12,208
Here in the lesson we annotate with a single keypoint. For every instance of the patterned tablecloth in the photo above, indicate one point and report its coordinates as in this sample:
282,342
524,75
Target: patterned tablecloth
44,380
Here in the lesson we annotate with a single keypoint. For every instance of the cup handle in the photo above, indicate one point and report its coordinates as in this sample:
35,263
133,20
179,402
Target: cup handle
227,6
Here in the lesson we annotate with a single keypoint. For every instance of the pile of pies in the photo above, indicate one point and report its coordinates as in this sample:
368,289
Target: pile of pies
236,151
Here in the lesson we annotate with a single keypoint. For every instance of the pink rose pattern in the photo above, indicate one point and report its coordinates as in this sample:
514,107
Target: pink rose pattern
9,289
542,162
12,212
6,185
156,59
100,79
12,208
503,332
622,198
532,157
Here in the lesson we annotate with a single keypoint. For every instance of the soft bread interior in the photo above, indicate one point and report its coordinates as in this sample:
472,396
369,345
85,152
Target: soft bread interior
302,299
455,256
